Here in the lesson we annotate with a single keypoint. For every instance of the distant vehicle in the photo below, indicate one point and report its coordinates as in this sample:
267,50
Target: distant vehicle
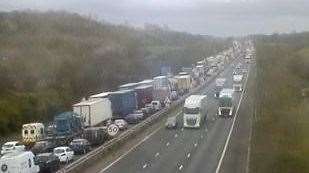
94,111
80,146
237,85
13,146
17,162
226,102
156,105
95,135
43,147
195,111
121,123
238,66
32,133
65,154
47,162
123,103
161,88
174,95
183,84
128,86
171,122
148,109
219,86
144,95
132,119
140,114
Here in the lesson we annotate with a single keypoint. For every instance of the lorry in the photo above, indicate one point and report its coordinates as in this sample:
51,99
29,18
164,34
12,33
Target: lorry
67,126
219,86
195,111
94,112
161,89
19,162
237,82
143,95
183,84
146,82
95,135
226,106
99,96
128,86
123,103
32,133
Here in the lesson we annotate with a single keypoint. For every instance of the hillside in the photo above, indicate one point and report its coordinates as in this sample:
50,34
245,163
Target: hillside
50,60
280,130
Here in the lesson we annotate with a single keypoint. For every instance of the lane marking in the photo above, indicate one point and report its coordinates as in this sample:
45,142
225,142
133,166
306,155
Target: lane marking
131,149
157,154
232,127
180,167
195,144
176,135
188,155
145,165
202,136
167,144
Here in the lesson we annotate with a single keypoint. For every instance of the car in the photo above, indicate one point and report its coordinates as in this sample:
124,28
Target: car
121,123
171,122
65,154
48,162
139,114
43,147
80,146
12,146
132,119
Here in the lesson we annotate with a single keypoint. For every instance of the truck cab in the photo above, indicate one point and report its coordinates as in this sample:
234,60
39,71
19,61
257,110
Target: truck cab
194,111
226,103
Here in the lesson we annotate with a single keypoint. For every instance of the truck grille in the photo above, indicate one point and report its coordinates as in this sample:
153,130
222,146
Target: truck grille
225,111
191,121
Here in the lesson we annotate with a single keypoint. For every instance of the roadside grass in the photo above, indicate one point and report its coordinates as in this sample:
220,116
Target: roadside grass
280,141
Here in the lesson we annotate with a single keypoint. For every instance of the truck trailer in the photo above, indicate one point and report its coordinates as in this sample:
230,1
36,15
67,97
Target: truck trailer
195,111
94,112
144,95
161,89
123,103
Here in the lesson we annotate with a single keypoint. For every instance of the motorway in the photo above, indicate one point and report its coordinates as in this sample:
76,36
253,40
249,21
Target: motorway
185,150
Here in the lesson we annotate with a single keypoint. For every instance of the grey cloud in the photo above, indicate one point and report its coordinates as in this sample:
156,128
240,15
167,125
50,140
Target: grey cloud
215,17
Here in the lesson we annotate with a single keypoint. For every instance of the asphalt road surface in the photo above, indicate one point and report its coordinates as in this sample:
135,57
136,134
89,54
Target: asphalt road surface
207,149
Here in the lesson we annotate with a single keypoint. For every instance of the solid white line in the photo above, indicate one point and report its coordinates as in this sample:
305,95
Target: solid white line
131,149
232,127
188,155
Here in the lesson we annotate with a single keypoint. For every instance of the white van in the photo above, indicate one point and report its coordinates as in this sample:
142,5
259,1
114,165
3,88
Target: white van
18,162
13,146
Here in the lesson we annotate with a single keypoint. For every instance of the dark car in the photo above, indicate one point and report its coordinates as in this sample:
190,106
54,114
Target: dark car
47,162
133,118
80,146
43,147
171,122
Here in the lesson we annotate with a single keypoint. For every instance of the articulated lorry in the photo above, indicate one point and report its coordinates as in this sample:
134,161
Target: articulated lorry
194,111
226,106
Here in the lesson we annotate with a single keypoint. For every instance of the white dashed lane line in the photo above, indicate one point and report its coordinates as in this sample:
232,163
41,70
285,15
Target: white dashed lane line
157,154
180,167
145,165
188,155
167,144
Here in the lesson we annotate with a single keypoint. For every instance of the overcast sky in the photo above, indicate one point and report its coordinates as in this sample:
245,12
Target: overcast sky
211,17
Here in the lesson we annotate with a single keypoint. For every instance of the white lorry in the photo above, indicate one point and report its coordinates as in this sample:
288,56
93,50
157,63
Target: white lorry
18,162
94,111
194,111
183,84
32,132
226,106
237,85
